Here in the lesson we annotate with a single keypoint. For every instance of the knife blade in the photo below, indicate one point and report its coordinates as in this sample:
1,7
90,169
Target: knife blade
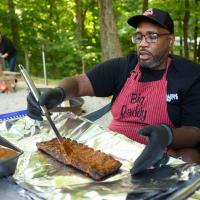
67,149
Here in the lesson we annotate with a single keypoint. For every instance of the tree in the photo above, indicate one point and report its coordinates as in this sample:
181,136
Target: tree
185,28
198,53
13,22
80,17
70,30
110,45
196,29
145,5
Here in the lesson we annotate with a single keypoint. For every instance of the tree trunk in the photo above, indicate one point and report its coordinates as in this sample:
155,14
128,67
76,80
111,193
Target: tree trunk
145,5
79,19
195,35
185,28
110,45
181,46
195,40
81,9
14,23
180,27
53,15
198,53
50,28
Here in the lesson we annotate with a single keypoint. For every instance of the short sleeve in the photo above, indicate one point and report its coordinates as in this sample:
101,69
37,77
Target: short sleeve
191,106
108,77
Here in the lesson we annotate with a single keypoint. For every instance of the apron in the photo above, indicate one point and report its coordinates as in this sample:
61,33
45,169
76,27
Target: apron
140,104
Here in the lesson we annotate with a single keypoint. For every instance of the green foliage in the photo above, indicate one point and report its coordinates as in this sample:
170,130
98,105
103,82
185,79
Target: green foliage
52,23
124,10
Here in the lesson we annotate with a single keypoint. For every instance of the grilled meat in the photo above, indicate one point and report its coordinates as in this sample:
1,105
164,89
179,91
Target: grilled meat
96,164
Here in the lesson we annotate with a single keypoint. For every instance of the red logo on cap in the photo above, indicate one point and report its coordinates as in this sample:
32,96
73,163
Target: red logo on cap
148,12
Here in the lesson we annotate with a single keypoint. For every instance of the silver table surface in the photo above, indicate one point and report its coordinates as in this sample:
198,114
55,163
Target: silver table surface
10,190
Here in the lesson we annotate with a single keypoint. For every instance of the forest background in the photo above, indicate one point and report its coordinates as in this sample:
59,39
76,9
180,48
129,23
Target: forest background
77,34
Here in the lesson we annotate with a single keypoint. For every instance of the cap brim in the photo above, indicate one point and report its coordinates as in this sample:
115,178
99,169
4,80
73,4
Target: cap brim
135,20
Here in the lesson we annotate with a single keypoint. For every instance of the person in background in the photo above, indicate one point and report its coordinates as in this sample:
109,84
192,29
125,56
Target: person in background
156,98
8,51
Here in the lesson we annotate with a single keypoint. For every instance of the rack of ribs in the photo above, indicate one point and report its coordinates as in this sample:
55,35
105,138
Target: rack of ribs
95,164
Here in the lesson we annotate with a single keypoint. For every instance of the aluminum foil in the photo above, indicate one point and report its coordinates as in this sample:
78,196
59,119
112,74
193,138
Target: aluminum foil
49,179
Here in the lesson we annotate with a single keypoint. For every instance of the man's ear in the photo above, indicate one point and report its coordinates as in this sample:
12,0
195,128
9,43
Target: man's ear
171,40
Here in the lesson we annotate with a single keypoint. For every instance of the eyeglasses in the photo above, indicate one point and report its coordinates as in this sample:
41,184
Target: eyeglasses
149,37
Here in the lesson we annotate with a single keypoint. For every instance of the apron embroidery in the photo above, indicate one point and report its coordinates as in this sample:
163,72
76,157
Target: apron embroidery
140,104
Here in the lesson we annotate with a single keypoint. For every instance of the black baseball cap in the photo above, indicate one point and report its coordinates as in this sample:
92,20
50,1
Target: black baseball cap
155,16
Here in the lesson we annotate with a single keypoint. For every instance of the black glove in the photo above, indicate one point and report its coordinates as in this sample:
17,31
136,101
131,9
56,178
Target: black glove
159,137
48,97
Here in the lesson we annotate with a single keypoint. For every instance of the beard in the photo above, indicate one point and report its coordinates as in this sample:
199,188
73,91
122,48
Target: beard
156,61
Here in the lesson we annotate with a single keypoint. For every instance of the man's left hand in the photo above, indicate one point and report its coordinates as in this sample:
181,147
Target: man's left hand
159,137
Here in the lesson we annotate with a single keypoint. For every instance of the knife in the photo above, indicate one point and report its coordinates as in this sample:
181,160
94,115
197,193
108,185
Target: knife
46,113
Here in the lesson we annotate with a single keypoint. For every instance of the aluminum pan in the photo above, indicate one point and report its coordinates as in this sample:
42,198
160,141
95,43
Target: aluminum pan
8,164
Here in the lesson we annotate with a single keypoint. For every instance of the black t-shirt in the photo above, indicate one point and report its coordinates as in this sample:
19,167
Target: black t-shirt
6,46
183,89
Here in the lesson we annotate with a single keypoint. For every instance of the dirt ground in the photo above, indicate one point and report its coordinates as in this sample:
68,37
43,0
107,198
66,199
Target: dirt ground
16,101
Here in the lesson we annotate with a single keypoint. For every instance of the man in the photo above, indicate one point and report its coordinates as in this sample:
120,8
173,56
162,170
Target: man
153,92
8,51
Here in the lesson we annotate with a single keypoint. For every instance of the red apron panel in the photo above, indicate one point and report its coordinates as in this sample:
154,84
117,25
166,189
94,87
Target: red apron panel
140,104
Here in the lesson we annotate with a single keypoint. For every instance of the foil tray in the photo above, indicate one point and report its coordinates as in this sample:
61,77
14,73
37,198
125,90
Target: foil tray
8,164
49,179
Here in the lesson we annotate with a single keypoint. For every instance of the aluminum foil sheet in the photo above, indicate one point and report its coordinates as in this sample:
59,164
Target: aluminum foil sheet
49,179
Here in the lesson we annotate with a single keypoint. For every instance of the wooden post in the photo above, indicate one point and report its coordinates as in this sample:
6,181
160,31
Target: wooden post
27,60
2,64
44,65
83,65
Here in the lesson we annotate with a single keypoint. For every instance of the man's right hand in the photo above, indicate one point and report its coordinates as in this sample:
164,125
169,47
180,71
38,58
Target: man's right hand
48,97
